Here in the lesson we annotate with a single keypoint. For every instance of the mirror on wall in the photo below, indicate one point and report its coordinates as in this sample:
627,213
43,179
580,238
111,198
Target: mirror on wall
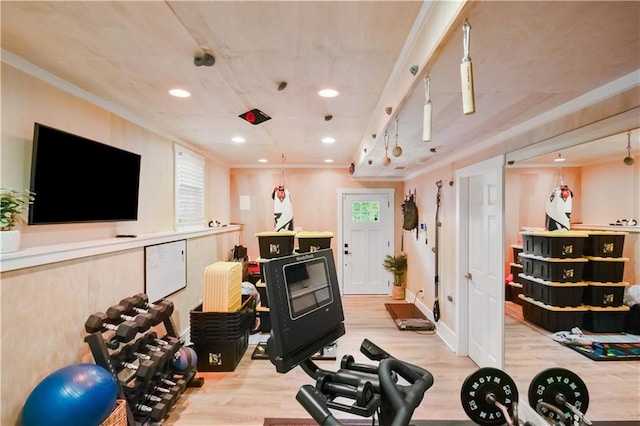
604,177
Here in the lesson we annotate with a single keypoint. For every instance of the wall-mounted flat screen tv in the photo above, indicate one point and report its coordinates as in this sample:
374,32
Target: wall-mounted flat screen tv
76,179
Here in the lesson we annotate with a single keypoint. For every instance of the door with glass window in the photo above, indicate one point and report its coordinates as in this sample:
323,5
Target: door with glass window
366,240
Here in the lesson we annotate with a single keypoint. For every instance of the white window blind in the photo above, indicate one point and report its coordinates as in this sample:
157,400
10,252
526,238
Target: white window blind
189,187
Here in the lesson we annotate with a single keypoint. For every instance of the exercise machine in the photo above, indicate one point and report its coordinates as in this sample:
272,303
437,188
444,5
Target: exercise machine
306,315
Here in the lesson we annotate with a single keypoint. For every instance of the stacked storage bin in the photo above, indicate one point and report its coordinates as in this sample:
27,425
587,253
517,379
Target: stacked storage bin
604,275
272,245
221,338
516,272
220,326
313,241
552,279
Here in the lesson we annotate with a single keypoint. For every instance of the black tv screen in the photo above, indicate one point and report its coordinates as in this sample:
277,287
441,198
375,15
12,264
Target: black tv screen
76,179
305,306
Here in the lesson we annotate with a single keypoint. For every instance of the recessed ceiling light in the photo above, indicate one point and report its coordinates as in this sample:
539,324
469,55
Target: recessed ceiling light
179,93
262,160
328,139
328,160
328,93
237,139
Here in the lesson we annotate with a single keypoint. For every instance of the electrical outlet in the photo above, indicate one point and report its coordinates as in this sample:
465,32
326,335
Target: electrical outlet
421,293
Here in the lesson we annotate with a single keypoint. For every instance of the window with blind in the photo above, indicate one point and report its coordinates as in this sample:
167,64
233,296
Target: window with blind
189,188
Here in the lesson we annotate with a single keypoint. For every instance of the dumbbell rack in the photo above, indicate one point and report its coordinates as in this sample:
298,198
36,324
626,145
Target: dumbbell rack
103,356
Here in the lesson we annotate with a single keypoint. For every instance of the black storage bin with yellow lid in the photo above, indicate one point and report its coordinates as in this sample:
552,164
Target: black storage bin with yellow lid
553,269
552,318
604,269
274,244
604,243
554,244
313,241
604,294
605,320
551,293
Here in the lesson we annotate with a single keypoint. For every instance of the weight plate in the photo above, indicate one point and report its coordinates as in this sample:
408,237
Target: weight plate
481,383
549,383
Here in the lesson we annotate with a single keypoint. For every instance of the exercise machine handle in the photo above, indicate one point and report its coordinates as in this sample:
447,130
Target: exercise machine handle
403,399
316,404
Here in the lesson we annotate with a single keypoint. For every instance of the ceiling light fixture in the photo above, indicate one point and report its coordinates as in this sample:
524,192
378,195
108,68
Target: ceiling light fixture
328,93
628,160
262,160
179,93
238,139
559,159
328,160
328,140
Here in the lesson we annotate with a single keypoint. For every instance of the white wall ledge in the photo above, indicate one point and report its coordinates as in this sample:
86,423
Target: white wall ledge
586,227
42,255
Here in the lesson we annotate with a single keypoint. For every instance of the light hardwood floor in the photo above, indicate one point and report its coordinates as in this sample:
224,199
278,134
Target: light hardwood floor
255,390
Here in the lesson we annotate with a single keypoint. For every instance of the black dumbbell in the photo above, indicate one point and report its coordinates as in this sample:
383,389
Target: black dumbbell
173,392
171,345
165,398
145,370
141,300
157,313
179,384
97,322
131,353
156,412
362,394
118,313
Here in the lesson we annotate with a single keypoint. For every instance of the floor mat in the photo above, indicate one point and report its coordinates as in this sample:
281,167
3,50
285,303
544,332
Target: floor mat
407,316
611,351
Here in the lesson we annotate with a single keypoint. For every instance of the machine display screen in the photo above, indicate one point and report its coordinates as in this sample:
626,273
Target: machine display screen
307,286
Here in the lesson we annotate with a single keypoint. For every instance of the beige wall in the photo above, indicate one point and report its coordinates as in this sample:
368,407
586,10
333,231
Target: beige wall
43,308
420,254
26,100
526,191
313,194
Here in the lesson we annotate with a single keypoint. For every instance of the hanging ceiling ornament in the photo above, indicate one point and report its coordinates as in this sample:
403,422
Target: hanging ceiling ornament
466,74
628,160
397,150
386,160
426,123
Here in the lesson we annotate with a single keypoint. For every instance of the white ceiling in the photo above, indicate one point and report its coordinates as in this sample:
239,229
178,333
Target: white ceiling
529,58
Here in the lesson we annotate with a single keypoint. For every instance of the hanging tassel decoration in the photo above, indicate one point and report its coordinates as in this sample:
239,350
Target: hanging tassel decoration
397,150
386,160
426,123
466,74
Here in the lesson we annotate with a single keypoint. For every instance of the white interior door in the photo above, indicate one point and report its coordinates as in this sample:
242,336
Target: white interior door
481,261
366,237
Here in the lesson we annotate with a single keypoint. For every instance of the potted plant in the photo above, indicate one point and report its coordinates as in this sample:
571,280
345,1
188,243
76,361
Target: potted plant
397,265
12,203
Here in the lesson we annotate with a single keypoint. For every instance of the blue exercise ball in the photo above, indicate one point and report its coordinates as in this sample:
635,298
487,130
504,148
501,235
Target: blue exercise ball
193,360
80,394
184,358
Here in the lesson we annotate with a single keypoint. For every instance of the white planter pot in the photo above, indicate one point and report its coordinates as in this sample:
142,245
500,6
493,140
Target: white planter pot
9,241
